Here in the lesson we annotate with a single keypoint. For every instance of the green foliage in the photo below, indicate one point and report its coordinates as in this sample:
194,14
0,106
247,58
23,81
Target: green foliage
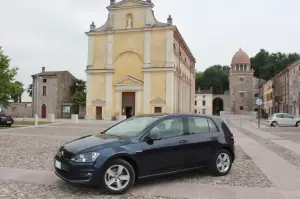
16,91
78,85
6,79
29,90
79,98
267,65
215,76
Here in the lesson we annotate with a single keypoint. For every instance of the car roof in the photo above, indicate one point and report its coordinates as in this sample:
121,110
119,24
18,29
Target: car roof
177,115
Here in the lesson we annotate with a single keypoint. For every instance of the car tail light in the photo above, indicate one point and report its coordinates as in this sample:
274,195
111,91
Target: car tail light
3,118
270,118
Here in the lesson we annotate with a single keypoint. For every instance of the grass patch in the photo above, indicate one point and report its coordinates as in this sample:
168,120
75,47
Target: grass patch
29,123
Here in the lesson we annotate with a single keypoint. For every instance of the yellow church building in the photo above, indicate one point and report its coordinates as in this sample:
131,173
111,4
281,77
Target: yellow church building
137,65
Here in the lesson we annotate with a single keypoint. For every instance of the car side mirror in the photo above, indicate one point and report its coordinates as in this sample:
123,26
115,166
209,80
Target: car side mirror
154,136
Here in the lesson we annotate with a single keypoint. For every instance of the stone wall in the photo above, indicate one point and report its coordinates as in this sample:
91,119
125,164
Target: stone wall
19,110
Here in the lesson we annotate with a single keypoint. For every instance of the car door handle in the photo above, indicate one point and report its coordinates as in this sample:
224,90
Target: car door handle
214,138
183,141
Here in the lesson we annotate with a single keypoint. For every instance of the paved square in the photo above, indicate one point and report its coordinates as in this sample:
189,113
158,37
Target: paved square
27,165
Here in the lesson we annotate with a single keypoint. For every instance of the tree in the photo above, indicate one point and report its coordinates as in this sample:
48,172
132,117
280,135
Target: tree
216,77
78,85
7,76
267,65
16,91
79,98
29,90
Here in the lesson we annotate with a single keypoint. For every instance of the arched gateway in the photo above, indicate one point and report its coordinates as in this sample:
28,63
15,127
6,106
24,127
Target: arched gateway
220,103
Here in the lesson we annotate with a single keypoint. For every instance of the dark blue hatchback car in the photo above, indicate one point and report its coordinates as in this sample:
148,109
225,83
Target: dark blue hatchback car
145,146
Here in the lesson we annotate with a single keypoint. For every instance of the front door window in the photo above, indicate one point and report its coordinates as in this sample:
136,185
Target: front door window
169,127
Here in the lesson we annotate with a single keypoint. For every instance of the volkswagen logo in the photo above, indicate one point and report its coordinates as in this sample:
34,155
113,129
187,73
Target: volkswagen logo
60,154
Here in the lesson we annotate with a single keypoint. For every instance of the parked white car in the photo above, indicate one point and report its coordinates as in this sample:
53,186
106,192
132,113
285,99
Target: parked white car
283,119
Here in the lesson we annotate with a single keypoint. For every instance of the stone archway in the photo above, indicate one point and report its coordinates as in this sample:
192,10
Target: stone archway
218,105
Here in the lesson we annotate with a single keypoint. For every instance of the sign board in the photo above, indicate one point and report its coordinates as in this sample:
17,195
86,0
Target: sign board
259,102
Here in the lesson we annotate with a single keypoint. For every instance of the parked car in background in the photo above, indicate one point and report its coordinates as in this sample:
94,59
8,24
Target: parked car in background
283,119
6,120
147,146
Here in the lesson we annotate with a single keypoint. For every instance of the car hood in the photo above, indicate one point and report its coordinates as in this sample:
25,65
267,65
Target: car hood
87,142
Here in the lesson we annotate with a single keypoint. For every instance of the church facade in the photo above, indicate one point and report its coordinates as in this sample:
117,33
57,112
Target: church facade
137,65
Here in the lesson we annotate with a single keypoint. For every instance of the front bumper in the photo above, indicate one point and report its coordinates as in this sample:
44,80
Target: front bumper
79,173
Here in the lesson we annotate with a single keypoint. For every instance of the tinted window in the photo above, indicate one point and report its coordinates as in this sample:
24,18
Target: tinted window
198,125
212,126
169,127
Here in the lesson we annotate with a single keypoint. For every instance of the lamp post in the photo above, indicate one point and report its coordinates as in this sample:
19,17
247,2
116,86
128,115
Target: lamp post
37,100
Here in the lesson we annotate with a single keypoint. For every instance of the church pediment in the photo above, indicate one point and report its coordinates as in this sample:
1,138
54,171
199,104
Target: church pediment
129,4
129,80
158,101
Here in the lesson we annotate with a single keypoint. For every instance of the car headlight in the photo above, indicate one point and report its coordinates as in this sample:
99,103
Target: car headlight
86,157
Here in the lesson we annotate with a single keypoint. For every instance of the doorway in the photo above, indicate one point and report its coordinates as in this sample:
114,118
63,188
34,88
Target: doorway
44,111
99,113
218,106
128,104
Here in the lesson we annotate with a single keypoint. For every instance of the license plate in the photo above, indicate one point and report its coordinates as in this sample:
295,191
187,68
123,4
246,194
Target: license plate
8,122
57,164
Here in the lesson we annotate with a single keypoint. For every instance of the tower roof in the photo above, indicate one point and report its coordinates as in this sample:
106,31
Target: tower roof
240,57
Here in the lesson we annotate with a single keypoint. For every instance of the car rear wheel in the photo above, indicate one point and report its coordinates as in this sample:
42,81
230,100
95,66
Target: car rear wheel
275,124
118,176
222,163
298,124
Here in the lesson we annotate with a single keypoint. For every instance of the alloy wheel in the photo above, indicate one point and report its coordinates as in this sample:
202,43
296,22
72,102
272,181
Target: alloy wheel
223,162
117,177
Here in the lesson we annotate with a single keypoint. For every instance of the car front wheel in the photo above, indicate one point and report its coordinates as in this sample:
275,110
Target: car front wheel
118,176
222,162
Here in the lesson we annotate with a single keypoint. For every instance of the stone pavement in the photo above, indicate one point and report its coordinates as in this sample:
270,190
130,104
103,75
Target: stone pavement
267,166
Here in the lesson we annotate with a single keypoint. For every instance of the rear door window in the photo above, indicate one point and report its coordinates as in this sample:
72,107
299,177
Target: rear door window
198,125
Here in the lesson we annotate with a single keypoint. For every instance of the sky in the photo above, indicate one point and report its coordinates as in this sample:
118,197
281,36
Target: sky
36,33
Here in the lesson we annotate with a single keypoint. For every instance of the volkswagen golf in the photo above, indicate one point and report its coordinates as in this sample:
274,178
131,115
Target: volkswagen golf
147,146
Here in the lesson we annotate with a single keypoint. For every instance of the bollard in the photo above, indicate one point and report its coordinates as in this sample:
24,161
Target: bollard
36,122
74,118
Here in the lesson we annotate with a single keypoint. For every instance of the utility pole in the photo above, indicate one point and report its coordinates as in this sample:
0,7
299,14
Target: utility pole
36,100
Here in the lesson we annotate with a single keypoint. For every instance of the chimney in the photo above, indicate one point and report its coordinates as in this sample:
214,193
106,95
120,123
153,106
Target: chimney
43,69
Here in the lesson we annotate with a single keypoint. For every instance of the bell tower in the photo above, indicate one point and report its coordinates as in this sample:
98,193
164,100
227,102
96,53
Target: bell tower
241,83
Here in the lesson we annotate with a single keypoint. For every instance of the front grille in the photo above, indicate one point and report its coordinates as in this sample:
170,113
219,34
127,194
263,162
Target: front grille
63,153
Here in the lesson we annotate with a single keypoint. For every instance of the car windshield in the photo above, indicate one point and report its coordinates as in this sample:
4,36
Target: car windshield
131,127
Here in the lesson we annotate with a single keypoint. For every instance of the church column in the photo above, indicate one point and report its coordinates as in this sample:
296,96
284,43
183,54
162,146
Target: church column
109,79
119,102
169,48
138,98
147,76
90,62
169,91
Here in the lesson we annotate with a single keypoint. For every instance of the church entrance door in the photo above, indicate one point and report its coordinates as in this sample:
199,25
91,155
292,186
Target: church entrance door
128,104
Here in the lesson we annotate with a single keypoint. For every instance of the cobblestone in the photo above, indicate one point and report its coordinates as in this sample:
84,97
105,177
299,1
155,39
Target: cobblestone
13,190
